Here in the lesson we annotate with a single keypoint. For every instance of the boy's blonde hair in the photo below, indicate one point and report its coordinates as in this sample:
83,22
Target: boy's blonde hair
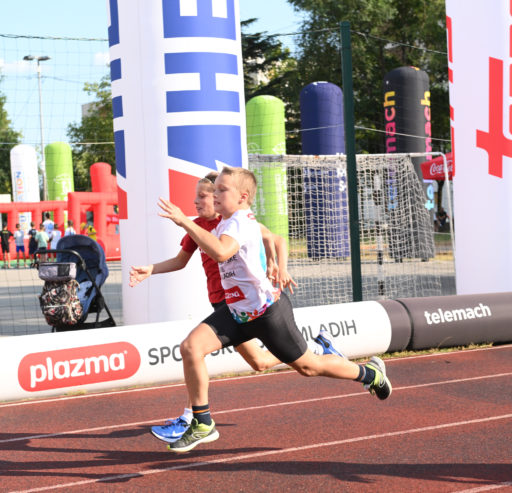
209,180
245,181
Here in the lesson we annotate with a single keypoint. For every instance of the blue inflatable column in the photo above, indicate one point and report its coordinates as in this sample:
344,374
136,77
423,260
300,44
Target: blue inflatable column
179,113
325,195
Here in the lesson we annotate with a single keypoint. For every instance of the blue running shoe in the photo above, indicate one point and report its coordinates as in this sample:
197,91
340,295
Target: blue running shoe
324,339
172,430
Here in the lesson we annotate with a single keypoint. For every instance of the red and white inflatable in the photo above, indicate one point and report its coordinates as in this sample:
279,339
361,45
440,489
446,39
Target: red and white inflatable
480,67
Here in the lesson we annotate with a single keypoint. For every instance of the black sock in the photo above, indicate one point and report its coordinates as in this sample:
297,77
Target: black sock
202,414
366,374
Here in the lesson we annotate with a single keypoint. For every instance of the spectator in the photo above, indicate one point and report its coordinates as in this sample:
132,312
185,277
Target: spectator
48,223
42,241
70,230
441,221
32,242
56,236
88,229
5,237
19,240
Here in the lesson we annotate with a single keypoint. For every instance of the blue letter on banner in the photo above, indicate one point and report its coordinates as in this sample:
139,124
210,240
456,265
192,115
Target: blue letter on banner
208,98
201,25
204,144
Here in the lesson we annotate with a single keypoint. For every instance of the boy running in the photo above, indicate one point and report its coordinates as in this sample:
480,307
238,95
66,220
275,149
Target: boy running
255,308
258,358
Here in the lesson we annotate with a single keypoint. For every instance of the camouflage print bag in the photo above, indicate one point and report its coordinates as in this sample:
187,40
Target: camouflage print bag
60,304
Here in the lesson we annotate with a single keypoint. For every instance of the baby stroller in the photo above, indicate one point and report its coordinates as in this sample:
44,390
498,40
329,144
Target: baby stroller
72,284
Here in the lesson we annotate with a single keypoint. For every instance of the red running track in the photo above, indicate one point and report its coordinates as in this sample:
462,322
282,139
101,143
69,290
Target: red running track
446,428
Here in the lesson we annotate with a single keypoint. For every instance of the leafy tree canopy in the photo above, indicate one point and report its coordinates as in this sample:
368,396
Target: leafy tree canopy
270,70
92,139
8,139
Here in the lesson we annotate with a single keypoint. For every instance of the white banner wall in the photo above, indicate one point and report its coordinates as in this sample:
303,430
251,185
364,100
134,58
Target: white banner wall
99,359
479,53
177,97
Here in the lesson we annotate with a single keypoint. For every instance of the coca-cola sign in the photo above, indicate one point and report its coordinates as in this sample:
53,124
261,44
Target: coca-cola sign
434,169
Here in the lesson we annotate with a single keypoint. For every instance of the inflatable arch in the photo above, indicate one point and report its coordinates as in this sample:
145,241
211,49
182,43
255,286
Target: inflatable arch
179,113
102,201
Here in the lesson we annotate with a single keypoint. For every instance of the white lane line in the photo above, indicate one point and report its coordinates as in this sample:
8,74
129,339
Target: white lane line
142,389
229,379
268,453
252,408
488,487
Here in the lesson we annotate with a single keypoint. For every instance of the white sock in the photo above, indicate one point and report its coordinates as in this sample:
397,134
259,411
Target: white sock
187,415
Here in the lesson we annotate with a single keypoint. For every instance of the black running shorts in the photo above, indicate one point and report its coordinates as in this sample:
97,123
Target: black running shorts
276,328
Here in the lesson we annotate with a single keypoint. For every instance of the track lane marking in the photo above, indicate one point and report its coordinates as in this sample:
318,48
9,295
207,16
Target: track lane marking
128,391
229,379
488,487
272,452
253,408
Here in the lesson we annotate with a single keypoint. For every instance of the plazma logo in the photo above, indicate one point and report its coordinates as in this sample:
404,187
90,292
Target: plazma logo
78,366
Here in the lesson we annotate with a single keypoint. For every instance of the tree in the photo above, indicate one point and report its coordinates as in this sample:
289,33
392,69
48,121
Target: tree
8,139
92,139
417,27
270,70
268,66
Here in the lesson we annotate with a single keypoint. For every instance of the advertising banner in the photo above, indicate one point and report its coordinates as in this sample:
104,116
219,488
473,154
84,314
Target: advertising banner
41,365
99,359
25,180
479,62
434,168
59,170
325,190
448,321
408,129
266,135
179,113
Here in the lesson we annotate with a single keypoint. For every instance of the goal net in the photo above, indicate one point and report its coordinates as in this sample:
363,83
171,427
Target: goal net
305,199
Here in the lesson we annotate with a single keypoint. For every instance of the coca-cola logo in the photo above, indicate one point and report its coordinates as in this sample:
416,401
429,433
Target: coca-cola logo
438,169
78,366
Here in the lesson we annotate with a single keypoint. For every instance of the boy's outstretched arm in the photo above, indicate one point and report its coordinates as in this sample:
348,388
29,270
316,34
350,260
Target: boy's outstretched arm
139,273
218,249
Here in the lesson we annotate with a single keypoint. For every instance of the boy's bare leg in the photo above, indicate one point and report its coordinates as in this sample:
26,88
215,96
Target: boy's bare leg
258,358
328,365
199,343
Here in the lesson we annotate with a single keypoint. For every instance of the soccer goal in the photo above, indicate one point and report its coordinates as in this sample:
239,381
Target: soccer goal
305,199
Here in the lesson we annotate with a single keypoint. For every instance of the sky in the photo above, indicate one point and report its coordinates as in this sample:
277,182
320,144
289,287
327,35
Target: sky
88,18
73,63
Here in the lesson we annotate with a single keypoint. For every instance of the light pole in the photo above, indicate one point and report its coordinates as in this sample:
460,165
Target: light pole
40,59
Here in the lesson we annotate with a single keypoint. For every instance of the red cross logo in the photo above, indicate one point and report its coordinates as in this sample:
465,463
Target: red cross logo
493,141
